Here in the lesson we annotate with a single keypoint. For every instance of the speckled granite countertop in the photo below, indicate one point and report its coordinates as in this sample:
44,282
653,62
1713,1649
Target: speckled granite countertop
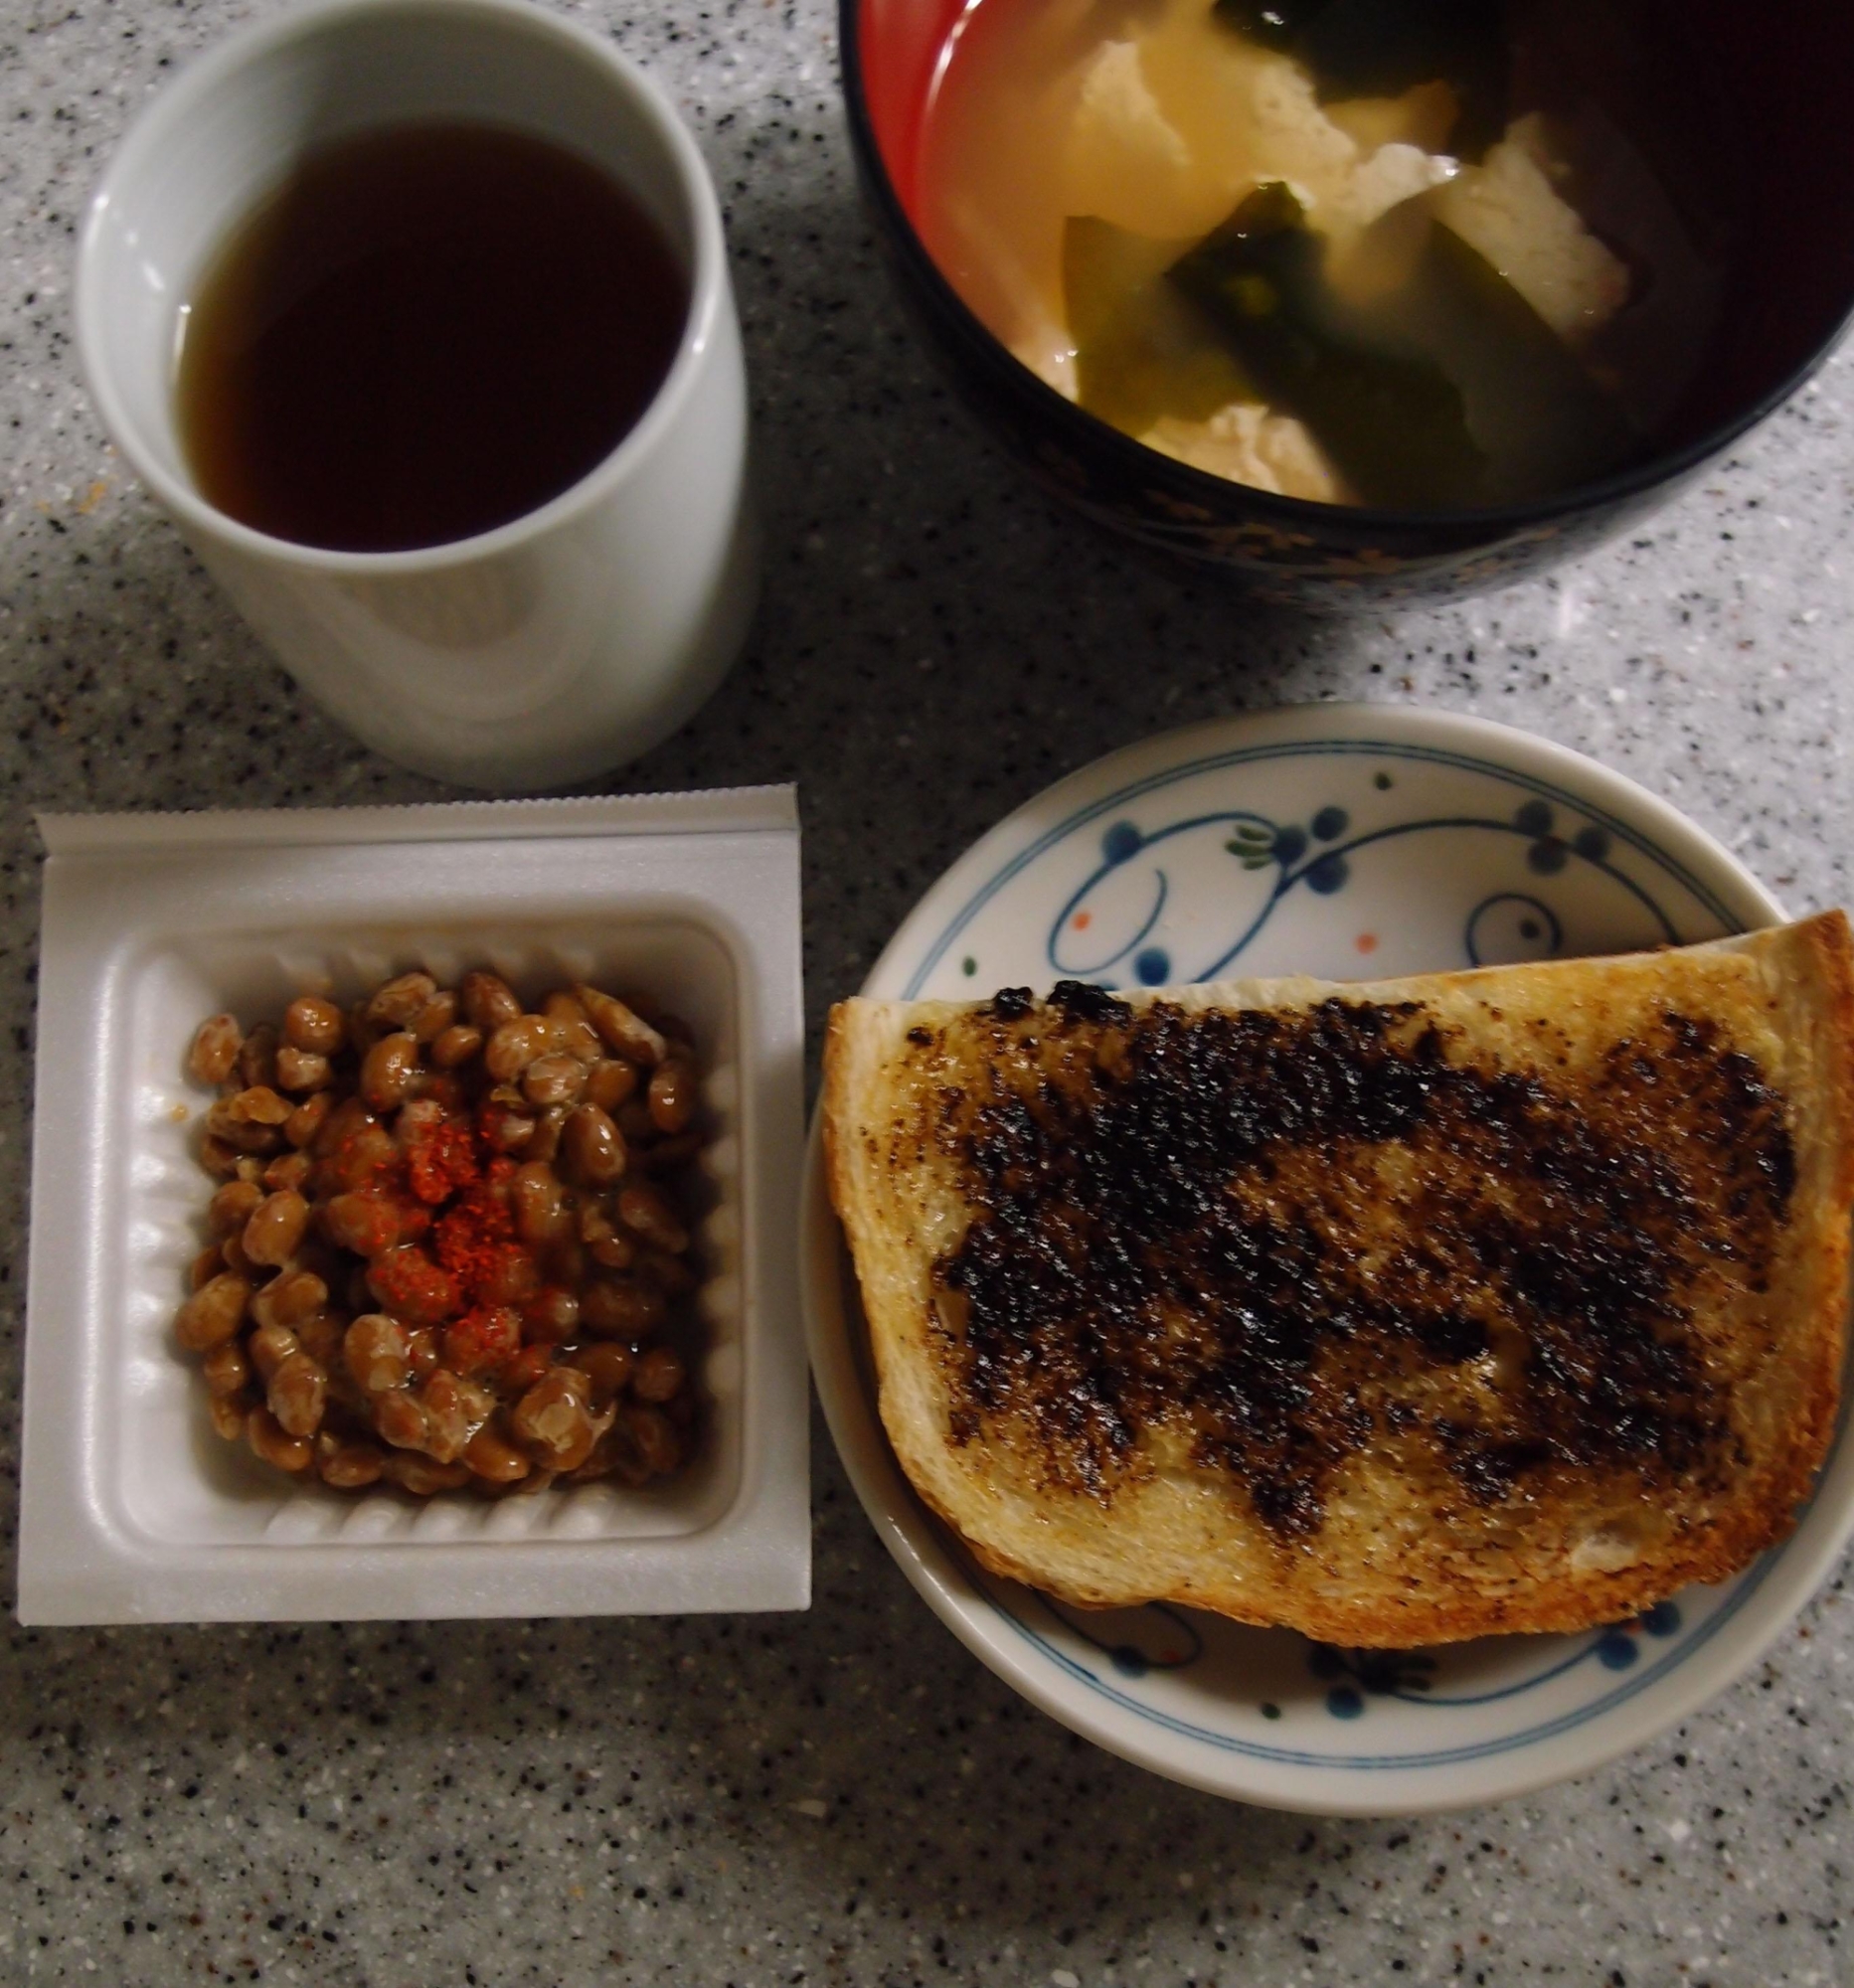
844,1796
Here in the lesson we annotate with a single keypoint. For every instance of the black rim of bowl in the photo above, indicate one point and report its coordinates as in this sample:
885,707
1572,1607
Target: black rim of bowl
1289,511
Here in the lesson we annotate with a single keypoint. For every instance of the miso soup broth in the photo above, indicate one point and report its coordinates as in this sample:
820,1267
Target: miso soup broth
1420,253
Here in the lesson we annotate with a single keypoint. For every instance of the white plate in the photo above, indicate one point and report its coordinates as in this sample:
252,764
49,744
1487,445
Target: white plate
1345,841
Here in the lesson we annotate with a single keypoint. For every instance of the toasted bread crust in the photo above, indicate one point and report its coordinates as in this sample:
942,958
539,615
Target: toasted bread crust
1416,1489
1816,997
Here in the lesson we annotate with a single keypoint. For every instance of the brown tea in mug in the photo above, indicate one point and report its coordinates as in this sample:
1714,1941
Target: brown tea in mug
425,332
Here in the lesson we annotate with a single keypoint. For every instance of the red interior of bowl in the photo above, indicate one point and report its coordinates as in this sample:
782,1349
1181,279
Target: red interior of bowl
904,43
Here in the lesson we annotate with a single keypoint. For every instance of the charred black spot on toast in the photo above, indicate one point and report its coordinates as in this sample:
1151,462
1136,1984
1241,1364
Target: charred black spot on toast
1082,1001
1261,1240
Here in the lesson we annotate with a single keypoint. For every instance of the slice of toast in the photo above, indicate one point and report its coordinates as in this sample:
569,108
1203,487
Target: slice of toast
1396,1313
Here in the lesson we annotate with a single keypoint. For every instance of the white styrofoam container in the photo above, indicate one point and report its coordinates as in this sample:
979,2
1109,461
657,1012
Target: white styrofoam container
133,1509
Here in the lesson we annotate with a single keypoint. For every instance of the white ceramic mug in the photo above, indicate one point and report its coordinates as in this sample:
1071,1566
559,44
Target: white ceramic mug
550,649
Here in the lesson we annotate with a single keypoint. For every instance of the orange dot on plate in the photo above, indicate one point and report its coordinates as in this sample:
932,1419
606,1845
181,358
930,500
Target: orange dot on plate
1366,941
1081,920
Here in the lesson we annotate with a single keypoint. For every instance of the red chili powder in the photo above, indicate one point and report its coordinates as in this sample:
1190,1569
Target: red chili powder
441,1161
475,1235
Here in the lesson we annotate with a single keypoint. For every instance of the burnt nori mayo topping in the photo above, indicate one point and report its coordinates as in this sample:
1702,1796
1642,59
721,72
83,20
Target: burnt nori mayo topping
1274,1234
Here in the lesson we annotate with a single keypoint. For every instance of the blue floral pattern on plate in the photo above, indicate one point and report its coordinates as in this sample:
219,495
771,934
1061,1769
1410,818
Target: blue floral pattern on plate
1102,932
1277,857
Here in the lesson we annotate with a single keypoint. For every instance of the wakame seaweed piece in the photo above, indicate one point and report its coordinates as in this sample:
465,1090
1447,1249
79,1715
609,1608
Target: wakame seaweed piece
1382,48
1142,351
1392,422
1543,421
1276,24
